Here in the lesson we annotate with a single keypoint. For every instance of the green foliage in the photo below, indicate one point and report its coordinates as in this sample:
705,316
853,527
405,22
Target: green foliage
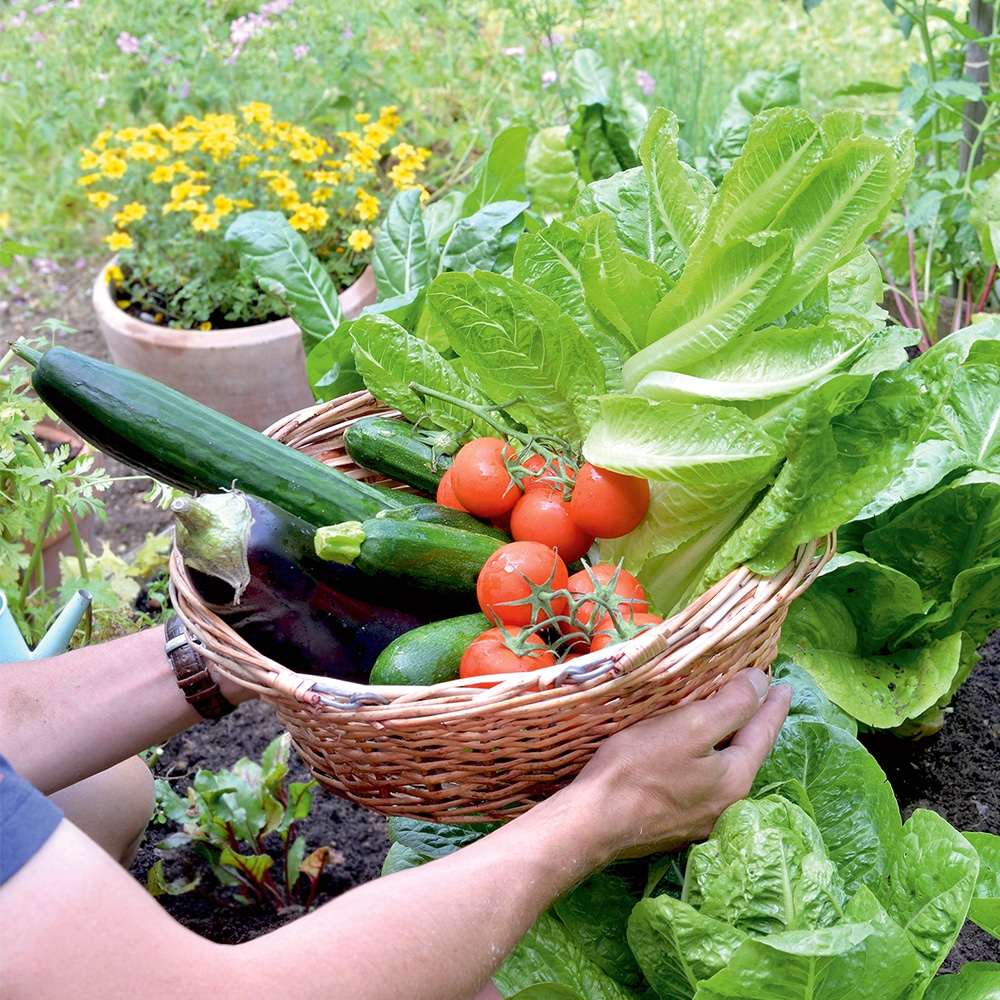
41,491
813,888
243,822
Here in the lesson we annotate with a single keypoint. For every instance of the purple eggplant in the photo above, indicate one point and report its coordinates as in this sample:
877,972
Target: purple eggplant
255,566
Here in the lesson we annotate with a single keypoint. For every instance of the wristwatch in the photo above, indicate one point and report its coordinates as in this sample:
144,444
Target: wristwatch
192,673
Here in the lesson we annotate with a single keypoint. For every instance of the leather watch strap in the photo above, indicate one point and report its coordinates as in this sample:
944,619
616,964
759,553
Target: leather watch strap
192,673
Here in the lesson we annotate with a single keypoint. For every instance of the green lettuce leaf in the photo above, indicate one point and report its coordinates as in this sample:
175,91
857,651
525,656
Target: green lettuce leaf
549,954
677,946
984,908
932,877
401,259
765,869
974,981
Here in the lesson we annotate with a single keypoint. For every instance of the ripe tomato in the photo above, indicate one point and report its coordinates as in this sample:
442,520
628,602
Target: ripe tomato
480,479
446,493
515,585
607,504
605,633
611,586
541,515
489,653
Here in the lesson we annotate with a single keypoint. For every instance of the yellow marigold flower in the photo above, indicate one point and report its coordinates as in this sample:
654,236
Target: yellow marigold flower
246,159
101,198
325,177
359,240
158,131
388,117
222,204
362,117
402,177
322,194
206,222
163,173
4,220
113,273
132,212
147,151
282,185
309,218
113,166
87,179
377,134
119,241
242,203
256,111
102,139
123,303
89,160
367,207
205,326
129,134
183,142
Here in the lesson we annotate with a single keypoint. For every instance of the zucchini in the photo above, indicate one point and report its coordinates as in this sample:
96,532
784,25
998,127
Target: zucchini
429,654
411,554
436,513
186,444
401,451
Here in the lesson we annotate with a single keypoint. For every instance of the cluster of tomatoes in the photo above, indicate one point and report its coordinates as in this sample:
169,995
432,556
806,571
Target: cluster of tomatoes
554,509
543,496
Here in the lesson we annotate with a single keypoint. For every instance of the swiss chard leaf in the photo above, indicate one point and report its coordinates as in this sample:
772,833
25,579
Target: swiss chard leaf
524,350
280,261
390,359
401,259
499,174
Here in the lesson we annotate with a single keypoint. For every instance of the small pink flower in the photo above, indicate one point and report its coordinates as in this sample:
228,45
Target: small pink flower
645,82
72,4
348,33
300,52
549,77
513,50
129,44
548,41
18,19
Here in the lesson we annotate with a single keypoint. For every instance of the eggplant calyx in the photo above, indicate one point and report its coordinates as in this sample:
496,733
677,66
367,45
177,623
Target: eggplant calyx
340,543
212,533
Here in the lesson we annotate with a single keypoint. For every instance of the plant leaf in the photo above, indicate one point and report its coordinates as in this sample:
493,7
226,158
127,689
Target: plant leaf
401,260
280,261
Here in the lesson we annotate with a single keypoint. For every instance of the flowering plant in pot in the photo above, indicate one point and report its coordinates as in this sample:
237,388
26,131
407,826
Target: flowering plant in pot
172,191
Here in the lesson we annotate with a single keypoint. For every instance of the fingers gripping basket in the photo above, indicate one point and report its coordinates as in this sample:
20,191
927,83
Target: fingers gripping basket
454,752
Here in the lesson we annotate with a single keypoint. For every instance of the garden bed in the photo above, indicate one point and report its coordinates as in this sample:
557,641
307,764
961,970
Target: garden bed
952,772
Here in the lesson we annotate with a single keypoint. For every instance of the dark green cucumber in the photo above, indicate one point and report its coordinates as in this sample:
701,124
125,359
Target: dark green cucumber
428,654
186,444
436,513
401,451
433,557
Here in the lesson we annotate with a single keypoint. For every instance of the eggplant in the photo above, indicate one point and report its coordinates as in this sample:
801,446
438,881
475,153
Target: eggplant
255,566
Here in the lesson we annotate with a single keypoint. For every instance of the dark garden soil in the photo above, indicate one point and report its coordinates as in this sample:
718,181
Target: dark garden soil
954,772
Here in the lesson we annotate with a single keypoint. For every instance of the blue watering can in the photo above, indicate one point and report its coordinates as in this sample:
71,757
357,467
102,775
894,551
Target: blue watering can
12,644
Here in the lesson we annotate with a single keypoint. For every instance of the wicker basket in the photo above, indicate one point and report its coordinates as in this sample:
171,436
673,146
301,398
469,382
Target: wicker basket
455,752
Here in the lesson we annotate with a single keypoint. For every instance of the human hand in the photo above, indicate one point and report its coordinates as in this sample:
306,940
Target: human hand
663,782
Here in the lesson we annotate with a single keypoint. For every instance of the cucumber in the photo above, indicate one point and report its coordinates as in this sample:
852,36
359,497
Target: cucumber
429,654
436,513
401,451
407,553
186,444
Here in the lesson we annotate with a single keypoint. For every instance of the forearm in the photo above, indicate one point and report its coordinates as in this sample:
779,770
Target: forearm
70,716
454,920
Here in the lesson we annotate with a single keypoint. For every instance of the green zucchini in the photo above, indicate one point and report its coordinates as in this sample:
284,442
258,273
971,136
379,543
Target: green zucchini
186,444
436,513
428,654
401,451
433,557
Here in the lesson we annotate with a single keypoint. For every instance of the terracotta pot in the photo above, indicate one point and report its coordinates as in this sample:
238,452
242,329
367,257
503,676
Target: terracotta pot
254,374
61,543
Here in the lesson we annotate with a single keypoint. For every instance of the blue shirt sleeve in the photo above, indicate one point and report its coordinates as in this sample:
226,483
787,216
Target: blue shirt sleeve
27,820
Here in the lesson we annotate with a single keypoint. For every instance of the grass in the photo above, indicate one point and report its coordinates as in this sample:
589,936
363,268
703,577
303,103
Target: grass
70,69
